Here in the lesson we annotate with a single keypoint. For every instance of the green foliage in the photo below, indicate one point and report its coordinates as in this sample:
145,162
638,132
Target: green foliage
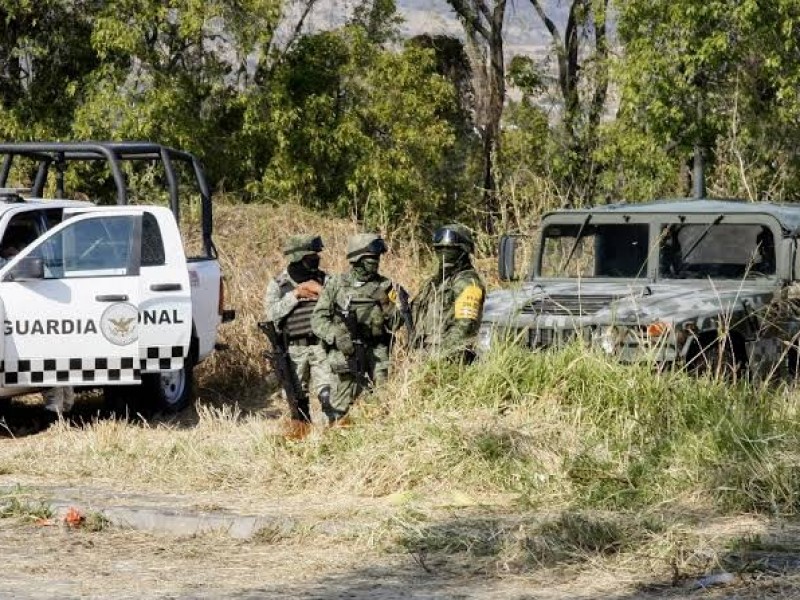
44,58
17,504
359,129
717,74
573,427
356,122
525,164
171,73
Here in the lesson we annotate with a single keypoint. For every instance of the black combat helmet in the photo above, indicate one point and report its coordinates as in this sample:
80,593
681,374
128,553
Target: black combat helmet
453,236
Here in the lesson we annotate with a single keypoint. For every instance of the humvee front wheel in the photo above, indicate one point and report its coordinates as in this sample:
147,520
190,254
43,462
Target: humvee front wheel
717,356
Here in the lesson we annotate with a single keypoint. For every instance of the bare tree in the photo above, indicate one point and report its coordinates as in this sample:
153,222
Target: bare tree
580,121
483,25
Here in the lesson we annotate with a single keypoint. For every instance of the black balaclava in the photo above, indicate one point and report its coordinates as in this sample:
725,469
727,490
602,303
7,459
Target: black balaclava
451,259
366,267
305,269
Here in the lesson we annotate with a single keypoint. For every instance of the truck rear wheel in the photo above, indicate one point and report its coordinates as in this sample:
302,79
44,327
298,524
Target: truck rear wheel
170,391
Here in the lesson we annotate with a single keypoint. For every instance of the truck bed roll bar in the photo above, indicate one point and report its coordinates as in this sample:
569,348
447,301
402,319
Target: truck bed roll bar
60,153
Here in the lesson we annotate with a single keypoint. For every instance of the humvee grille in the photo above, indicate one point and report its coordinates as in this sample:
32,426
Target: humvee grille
568,305
546,337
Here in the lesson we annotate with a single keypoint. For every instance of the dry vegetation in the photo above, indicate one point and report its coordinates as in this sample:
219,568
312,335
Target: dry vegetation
552,468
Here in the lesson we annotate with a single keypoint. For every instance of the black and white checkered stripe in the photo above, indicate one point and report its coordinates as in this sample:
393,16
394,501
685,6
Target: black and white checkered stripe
162,358
54,371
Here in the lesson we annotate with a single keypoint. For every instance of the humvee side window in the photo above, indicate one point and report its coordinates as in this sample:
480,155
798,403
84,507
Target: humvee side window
721,251
616,251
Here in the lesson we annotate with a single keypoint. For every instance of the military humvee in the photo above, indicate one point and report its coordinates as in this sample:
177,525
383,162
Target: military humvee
703,283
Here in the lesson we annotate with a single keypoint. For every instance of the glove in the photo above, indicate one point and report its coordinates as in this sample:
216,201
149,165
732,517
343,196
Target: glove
398,295
343,342
376,322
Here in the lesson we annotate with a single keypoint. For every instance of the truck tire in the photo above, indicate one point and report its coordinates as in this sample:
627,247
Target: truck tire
170,391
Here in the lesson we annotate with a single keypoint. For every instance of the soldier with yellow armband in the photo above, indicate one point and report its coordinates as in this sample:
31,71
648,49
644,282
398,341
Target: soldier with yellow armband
447,311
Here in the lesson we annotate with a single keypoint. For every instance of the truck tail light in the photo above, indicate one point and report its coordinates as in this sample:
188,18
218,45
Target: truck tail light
227,315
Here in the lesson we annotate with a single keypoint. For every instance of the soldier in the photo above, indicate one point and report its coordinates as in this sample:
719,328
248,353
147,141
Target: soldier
289,303
447,311
355,316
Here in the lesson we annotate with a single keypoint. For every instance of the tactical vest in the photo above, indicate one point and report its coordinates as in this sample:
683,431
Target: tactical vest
438,300
297,324
363,300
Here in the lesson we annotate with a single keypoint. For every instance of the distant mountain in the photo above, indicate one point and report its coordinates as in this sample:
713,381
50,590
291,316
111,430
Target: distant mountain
524,31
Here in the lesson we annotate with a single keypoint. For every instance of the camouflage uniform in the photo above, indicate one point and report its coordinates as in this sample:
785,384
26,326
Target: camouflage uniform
292,316
365,300
447,311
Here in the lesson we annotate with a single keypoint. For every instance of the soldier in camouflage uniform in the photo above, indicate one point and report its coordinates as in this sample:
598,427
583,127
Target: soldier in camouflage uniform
355,317
289,303
447,311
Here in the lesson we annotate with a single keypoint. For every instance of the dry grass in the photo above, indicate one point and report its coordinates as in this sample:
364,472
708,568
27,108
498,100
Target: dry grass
523,465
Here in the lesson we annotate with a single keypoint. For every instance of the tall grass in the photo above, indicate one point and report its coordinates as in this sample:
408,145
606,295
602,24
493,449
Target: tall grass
568,429
556,429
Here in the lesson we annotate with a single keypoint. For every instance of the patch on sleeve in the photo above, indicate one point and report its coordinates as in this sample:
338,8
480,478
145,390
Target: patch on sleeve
468,303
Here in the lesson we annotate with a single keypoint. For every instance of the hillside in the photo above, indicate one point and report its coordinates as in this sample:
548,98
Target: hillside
524,32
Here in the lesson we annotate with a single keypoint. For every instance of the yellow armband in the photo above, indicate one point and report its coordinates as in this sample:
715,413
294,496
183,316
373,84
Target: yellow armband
469,302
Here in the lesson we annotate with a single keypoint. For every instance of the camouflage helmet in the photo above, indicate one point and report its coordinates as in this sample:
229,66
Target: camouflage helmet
453,236
299,246
364,244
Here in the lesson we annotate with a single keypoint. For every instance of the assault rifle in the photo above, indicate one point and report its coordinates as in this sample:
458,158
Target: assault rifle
405,312
359,367
281,364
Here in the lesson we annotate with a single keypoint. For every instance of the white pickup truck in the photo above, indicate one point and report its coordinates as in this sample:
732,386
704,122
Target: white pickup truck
103,296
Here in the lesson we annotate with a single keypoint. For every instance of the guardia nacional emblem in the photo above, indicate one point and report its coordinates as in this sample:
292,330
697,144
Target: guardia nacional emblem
119,324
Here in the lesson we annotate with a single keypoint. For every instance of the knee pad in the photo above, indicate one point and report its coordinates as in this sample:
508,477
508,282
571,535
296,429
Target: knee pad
325,396
325,401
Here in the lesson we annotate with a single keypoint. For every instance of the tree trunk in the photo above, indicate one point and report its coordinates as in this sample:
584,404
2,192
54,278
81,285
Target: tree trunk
483,25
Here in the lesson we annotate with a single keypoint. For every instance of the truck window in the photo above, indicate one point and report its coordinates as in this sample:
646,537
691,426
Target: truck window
53,216
722,251
616,251
152,243
21,230
90,248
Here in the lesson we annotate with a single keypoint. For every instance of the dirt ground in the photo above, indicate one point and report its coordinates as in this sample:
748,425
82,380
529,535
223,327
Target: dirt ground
165,546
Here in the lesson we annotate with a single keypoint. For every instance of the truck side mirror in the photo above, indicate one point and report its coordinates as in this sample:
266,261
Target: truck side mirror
506,258
28,269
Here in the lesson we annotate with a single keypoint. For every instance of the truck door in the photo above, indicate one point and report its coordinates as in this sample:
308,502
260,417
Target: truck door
165,308
71,303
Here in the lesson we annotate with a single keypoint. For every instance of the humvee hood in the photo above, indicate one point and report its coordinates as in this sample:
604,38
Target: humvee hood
624,302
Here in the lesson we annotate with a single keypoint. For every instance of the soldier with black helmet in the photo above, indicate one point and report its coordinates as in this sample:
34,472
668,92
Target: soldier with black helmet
289,304
447,311
355,317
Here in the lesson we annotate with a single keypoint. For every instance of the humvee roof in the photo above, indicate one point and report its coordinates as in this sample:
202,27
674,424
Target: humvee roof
788,215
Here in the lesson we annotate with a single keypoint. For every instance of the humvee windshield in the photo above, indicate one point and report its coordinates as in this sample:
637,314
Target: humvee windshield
720,251
587,250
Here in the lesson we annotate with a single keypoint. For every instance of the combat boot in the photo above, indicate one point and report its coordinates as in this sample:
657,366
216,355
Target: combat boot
331,414
341,423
